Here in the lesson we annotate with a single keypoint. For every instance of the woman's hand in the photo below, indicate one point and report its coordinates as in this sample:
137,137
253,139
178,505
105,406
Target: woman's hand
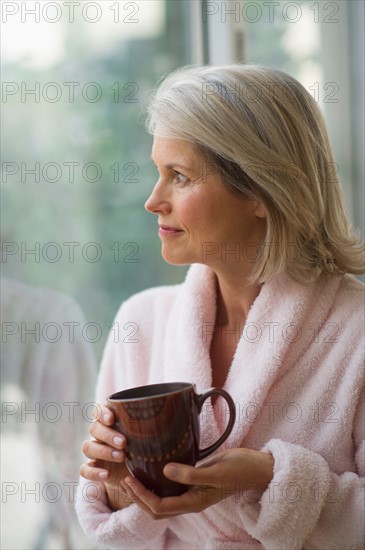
231,472
106,454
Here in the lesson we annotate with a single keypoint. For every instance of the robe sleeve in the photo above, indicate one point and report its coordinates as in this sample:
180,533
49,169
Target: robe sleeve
306,504
130,527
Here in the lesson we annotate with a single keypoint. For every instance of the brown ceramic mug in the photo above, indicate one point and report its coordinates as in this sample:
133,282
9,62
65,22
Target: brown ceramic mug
161,424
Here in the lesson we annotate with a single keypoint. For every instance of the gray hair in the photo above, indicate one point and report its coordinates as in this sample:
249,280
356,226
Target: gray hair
266,135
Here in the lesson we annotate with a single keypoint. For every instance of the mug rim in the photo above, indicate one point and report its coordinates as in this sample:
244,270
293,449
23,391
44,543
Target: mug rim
180,386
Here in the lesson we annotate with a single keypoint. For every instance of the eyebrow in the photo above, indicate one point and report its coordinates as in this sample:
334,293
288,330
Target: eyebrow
172,165
177,165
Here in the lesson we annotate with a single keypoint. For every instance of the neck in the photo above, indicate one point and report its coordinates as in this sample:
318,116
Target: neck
234,299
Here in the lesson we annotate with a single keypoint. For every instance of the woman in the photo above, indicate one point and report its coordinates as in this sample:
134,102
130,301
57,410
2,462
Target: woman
248,194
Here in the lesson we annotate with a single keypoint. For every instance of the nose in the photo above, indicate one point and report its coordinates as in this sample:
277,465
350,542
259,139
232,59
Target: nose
156,202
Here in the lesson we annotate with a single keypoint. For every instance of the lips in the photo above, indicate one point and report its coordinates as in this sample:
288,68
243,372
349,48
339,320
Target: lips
169,230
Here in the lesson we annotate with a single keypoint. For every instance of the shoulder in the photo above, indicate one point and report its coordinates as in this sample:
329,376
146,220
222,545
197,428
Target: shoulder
344,326
148,304
197,289
350,300
349,283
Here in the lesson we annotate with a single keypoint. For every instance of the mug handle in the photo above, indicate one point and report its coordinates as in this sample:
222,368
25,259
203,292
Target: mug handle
203,453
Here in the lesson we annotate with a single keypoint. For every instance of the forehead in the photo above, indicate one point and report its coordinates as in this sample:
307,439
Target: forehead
166,149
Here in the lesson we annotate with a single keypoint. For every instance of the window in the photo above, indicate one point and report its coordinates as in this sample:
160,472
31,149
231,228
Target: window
76,240
319,43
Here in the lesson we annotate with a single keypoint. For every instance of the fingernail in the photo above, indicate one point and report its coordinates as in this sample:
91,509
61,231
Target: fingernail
106,417
118,441
117,454
171,471
103,475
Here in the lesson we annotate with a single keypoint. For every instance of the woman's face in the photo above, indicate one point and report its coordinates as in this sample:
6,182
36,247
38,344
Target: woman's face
200,220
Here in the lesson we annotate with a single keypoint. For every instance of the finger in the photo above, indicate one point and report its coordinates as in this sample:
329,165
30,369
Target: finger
160,508
133,496
92,473
103,414
149,503
123,490
96,450
107,435
213,459
188,475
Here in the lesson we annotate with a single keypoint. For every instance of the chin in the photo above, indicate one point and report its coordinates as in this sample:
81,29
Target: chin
176,259
173,261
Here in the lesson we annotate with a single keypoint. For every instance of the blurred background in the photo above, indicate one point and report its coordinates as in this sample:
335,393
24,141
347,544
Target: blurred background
75,174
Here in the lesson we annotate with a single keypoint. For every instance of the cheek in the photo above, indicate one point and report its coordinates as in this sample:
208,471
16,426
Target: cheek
191,213
202,214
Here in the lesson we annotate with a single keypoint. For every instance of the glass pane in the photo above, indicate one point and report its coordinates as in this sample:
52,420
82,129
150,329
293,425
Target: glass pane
309,40
76,240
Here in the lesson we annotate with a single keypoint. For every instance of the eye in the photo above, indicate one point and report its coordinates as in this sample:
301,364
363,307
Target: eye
180,178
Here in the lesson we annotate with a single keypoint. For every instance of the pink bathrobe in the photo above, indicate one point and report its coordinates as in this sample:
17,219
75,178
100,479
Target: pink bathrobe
297,379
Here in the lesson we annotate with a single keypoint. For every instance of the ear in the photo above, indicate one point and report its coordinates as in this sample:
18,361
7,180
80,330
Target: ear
260,210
